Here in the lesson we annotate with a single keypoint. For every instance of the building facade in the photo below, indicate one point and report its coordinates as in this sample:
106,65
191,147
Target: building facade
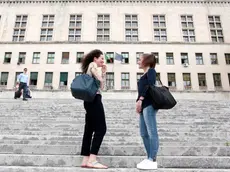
190,38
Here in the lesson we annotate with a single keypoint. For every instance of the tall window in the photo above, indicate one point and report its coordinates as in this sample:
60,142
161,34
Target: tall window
22,57
48,79
131,27
7,58
217,80
20,28
125,84
4,78
138,55
63,79
47,28
229,78
65,58
199,59
159,24
139,76
216,29
187,80
156,54
50,58
227,58
158,78
75,27
188,29
110,80
184,58
171,79
33,78
103,27
36,58
80,56
109,57
16,77
202,79
125,57
169,59
213,57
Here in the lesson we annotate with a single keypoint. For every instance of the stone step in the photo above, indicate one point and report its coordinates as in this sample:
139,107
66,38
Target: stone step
116,150
110,106
131,130
106,100
112,119
113,132
78,169
126,105
131,143
70,126
64,133
183,107
115,161
114,138
109,114
160,115
108,139
77,127
123,124
113,124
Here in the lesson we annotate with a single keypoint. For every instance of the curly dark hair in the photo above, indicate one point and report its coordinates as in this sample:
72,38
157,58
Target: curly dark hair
89,58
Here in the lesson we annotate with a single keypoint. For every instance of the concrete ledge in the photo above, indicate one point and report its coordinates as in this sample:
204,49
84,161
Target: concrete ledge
123,95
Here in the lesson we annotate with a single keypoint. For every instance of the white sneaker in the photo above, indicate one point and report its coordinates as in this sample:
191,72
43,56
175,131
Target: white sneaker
147,165
142,162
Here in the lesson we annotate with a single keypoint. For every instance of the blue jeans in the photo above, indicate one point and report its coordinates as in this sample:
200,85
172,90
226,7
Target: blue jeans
148,131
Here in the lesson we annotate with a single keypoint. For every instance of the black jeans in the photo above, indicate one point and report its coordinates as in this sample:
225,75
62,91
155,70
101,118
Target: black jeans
94,123
23,86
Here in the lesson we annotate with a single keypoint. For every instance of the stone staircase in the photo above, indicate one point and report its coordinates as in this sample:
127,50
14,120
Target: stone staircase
45,136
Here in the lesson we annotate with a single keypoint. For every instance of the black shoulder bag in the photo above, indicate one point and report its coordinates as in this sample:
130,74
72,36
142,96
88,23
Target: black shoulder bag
161,96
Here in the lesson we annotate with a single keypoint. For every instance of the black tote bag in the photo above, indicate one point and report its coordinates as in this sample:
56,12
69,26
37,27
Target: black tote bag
84,87
161,97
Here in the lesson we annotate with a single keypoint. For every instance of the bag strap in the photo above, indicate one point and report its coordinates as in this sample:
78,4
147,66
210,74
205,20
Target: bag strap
159,79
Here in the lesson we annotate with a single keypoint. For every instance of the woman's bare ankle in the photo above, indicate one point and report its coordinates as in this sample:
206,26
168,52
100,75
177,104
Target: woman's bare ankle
85,160
92,158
